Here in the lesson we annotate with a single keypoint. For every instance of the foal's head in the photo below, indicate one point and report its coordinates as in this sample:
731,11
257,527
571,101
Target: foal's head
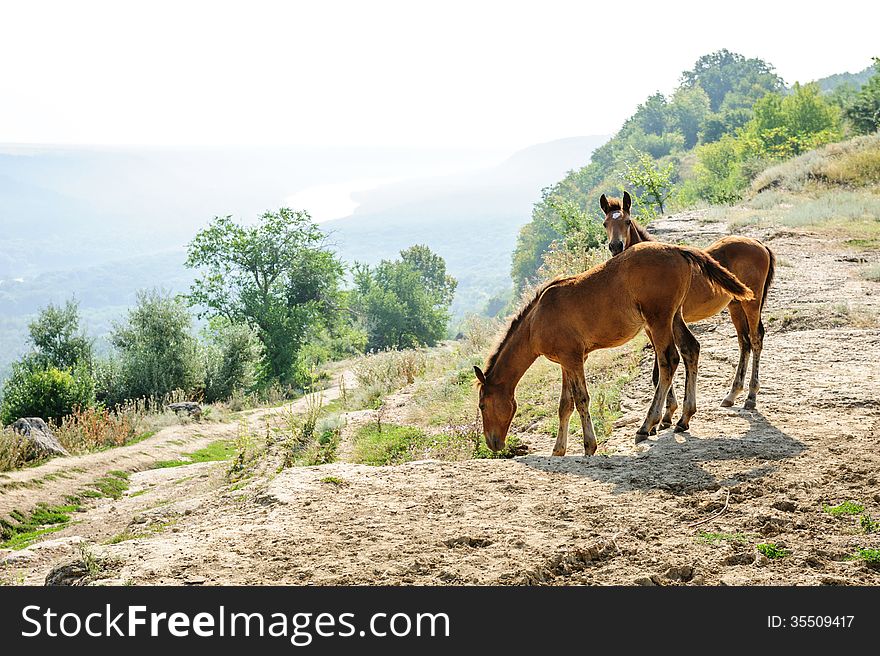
497,407
617,222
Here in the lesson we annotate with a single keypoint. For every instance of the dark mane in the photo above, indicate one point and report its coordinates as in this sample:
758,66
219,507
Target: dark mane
514,324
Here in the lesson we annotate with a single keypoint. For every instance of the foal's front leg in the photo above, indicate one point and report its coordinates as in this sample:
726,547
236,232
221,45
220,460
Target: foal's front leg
582,402
566,407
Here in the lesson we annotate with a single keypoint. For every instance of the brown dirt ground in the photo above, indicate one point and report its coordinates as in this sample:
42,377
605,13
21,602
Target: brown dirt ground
621,517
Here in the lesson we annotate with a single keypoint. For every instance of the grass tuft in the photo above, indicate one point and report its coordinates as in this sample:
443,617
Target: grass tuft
772,551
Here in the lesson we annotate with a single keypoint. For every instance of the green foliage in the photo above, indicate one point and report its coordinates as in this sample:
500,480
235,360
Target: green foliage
844,508
404,303
214,452
784,126
276,276
157,351
869,525
232,358
58,338
730,80
652,184
22,530
47,393
870,556
863,112
389,445
719,176
772,551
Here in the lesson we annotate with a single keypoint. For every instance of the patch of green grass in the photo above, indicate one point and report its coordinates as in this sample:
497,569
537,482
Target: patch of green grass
845,508
110,486
142,437
869,525
335,480
772,551
870,556
718,538
214,452
389,445
20,530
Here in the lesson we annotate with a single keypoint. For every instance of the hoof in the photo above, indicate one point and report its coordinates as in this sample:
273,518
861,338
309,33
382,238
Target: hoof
641,437
589,452
726,403
653,431
558,453
750,404
665,424
681,428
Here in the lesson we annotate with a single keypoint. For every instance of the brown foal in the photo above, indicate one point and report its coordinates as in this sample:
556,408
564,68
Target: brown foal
604,307
748,259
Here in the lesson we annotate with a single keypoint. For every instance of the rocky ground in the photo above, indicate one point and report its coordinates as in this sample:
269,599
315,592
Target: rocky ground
684,508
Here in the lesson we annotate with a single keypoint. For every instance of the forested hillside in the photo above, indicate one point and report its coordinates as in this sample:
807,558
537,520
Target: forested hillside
729,119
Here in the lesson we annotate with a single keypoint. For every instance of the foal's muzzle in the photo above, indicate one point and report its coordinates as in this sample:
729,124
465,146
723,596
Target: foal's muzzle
616,247
494,443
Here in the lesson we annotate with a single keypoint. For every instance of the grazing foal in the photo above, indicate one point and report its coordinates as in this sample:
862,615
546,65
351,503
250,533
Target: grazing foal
604,307
748,259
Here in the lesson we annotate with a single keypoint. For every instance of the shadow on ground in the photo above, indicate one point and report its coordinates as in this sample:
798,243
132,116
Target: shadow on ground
677,466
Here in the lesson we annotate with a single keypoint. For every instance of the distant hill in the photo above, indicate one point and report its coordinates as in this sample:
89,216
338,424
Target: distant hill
830,83
471,220
99,224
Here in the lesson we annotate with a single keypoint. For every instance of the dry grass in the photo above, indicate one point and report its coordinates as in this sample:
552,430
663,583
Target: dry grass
853,163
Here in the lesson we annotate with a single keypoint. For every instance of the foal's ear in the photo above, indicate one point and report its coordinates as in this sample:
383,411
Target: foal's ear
603,203
627,202
480,375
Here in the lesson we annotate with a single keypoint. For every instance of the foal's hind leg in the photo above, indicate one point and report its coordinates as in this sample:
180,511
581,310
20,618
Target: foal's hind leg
690,353
667,361
741,323
756,335
566,407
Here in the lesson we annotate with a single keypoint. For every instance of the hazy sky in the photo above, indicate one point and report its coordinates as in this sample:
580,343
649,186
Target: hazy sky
442,73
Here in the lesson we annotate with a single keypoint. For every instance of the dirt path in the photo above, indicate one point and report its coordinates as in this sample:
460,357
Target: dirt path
618,518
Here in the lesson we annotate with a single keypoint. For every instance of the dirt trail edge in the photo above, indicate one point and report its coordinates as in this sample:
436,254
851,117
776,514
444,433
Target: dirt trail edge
52,481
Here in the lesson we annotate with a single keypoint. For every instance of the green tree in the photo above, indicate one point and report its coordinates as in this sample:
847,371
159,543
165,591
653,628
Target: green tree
404,303
58,339
232,359
48,393
719,175
731,80
652,183
689,109
783,126
276,276
157,351
864,111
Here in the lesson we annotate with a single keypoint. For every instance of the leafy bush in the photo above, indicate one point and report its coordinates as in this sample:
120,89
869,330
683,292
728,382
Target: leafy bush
404,303
863,112
232,358
47,393
158,353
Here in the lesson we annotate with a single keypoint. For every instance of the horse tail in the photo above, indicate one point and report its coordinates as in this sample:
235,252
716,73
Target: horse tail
716,274
771,273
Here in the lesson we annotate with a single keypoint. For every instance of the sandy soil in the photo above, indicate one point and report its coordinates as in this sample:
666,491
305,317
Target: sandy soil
625,516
